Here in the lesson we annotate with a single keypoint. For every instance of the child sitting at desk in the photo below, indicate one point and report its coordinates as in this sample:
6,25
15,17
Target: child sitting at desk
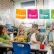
3,35
36,36
4,38
50,37
21,35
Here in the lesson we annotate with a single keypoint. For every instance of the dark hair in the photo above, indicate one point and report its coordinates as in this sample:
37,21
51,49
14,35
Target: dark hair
35,25
39,30
1,28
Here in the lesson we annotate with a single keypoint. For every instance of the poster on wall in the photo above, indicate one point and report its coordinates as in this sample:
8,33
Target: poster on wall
32,14
21,13
44,14
52,13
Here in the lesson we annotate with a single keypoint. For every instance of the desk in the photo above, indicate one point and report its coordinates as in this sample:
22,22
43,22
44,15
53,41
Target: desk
34,47
37,47
6,46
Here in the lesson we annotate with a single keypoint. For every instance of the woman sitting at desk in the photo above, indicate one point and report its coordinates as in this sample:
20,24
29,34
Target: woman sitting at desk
4,38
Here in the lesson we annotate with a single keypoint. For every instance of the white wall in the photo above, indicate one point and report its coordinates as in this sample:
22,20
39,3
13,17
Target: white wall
46,4
49,4
17,5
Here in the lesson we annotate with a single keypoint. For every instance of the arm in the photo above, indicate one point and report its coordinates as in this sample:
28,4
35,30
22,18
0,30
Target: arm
6,36
50,43
35,39
4,41
38,42
50,38
45,38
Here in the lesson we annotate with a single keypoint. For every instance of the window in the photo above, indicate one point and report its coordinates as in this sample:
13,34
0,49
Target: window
28,4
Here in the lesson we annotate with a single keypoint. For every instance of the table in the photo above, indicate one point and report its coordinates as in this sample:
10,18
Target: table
6,45
34,47
37,47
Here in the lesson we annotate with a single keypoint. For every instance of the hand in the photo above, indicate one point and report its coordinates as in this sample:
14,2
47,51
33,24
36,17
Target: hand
38,42
50,43
11,40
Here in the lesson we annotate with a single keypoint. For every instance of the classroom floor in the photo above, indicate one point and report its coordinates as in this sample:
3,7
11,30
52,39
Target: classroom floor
10,52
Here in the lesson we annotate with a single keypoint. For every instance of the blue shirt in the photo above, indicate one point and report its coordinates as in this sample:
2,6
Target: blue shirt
50,36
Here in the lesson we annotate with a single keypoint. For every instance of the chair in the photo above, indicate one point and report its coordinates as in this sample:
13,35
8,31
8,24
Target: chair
21,48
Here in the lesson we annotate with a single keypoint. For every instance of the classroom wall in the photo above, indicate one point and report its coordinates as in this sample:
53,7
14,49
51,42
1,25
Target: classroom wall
40,4
7,9
6,12
48,4
17,5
